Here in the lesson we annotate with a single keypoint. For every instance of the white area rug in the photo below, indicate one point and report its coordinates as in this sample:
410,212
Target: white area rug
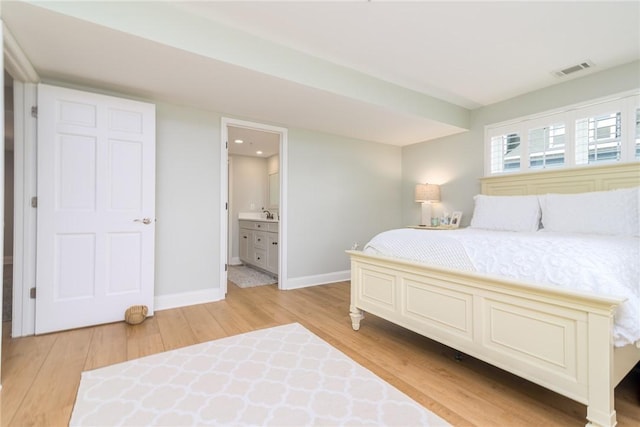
247,277
282,376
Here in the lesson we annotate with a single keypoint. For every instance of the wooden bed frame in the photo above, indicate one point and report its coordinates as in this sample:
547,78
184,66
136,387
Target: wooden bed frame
568,345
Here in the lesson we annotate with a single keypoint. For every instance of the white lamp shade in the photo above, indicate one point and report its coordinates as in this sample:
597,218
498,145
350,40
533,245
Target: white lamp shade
427,193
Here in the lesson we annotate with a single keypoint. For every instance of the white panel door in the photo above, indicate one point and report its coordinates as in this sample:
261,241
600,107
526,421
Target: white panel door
96,208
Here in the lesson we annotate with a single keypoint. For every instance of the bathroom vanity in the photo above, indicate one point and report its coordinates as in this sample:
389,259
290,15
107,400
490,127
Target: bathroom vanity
259,244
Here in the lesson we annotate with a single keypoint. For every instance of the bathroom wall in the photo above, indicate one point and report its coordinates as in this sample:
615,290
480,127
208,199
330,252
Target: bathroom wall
247,193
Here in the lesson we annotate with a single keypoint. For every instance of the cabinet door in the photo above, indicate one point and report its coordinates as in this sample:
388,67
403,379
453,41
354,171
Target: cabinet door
272,252
260,239
246,242
260,258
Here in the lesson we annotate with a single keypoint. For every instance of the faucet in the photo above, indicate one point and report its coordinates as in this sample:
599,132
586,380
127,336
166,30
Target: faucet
269,214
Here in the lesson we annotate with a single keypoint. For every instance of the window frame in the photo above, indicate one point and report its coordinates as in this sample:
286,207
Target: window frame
633,109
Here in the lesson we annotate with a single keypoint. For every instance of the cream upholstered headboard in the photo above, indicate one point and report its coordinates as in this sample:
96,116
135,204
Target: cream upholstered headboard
574,180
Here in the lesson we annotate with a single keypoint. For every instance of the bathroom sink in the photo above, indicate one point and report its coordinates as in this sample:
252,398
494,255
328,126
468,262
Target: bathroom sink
255,216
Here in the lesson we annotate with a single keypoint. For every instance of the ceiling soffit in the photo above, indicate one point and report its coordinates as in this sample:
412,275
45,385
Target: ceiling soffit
424,116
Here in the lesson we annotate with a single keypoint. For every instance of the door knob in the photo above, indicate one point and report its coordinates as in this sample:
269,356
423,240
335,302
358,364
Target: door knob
145,221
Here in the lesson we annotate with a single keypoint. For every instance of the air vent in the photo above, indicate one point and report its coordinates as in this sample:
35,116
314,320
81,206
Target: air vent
573,69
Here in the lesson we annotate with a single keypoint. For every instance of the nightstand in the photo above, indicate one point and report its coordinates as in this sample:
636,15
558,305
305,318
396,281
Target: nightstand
428,227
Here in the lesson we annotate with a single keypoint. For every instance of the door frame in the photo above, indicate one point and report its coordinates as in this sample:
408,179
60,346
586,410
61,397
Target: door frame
224,197
25,80
25,216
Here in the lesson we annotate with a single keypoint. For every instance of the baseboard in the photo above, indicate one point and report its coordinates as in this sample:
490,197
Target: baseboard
319,279
164,302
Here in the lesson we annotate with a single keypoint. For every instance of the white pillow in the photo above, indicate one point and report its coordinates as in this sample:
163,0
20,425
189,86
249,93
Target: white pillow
506,213
612,212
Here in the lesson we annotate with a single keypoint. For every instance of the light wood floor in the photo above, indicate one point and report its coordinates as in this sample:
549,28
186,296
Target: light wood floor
40,375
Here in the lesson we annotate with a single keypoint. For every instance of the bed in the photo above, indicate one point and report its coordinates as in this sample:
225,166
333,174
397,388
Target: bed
568,346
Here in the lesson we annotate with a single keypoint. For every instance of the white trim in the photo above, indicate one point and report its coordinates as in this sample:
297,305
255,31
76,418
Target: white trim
24,240
15,61
283,267
224,207
319,279
165,302
230,208
224,188
629,124
2,126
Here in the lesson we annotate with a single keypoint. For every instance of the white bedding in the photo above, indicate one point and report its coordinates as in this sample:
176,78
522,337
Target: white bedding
604,265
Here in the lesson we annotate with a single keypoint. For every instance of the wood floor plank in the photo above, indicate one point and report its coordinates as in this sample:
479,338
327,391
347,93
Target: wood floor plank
108,346
144,339
174,329
50,399
22,359
41,374
232,322
203,325
251,310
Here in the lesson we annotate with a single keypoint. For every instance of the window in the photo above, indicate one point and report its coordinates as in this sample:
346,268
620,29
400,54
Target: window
505,153
598,139
603,131
546,146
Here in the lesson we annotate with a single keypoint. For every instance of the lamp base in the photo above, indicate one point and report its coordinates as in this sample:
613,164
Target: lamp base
425,218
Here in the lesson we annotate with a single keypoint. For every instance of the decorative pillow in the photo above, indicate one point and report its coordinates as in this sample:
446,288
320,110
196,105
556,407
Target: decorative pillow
612,212
506,213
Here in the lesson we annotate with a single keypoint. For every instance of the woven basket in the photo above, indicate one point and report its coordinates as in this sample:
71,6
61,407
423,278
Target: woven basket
136,314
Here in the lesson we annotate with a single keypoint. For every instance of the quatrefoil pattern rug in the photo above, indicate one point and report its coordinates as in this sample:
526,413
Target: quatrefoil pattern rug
281,376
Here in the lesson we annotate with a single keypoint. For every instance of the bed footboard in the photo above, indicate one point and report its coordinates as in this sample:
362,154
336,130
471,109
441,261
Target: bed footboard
567,348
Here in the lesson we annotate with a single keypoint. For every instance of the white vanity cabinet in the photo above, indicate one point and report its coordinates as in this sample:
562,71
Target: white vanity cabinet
259,244
272,252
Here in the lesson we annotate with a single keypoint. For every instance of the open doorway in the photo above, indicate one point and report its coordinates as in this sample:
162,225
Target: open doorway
253,184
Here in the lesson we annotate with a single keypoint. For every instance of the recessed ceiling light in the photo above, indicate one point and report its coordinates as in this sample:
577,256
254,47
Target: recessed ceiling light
258,152
238,141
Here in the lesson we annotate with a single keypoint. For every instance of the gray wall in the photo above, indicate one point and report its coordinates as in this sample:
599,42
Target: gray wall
340,191
456,162
187,199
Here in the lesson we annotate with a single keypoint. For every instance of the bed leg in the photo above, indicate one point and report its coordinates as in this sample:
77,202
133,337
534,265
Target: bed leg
601,417
356,315
600,406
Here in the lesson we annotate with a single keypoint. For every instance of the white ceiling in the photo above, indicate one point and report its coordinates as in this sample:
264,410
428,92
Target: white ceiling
391,72
267,143
468,53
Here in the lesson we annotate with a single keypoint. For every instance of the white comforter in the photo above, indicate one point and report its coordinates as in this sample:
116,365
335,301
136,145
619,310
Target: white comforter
603,265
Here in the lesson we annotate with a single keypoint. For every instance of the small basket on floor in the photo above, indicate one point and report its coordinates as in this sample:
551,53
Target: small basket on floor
136,314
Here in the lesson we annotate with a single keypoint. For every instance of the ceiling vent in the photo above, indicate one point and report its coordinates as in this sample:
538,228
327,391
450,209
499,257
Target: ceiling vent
573,69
